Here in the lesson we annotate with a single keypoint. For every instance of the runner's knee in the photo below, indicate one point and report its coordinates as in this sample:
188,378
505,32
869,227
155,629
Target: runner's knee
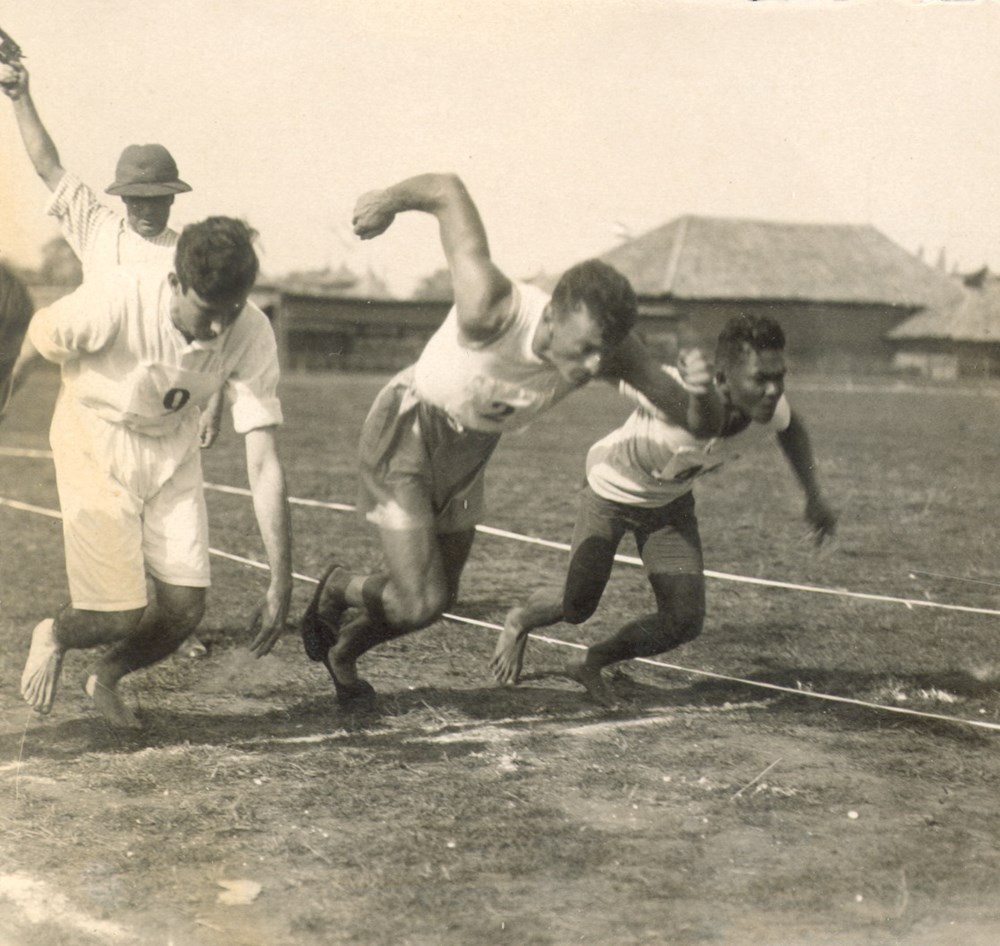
681,615
578,610
182,612
416,608
684,624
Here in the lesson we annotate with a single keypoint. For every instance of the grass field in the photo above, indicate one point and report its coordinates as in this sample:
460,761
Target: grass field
459,814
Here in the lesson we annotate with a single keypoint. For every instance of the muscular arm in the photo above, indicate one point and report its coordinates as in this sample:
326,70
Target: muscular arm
482,291
797,448
37,142
700,412
270,504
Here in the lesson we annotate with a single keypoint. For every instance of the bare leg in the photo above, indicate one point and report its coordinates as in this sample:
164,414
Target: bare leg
72,629
320,623
681,613
596,535
544,608
164,625
355,638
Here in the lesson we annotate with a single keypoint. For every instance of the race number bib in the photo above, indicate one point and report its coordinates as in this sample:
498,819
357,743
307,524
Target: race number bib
496,401
160,390
687,464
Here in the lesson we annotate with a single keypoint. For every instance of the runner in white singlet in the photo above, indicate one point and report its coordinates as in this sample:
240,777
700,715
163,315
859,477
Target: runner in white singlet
640,479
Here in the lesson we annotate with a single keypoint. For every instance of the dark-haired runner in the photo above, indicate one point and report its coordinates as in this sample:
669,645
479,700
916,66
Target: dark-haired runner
639,480
140,354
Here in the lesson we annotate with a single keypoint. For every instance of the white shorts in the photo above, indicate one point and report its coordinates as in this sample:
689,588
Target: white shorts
131,505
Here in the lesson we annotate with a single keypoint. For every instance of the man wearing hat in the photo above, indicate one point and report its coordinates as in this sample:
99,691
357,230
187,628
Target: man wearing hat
146,179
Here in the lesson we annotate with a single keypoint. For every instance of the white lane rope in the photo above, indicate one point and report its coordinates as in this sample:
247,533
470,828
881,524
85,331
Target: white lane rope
26,453
910,603
28,507
633,560
488,625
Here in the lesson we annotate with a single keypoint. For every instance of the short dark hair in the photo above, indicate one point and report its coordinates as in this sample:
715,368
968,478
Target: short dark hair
605,291
16,309
216,257
745,332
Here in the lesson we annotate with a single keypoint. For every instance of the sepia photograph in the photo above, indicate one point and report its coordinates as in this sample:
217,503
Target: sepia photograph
481,472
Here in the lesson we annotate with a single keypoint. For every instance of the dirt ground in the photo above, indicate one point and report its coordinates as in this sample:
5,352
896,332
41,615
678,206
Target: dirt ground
463,813
253,812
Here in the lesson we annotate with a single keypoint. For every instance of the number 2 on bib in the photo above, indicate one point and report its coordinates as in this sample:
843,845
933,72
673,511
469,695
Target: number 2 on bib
497,410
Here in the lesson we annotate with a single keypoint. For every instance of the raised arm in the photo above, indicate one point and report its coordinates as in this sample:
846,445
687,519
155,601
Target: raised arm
37,142
694,405
270,504
795,444
482,291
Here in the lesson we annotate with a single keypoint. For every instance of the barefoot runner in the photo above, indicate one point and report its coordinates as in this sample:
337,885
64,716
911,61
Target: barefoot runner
146,179
639,480
141,353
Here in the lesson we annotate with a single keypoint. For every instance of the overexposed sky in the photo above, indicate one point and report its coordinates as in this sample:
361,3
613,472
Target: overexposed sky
569,120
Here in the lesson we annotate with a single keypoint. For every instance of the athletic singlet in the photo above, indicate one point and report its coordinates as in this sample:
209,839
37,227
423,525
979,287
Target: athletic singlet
649,461
496,385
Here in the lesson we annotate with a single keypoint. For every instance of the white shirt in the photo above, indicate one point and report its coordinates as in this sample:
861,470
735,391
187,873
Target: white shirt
649,461
124,360
101,238
491,386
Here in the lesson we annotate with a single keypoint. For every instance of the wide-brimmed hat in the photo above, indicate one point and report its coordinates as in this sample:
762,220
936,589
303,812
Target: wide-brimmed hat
147,171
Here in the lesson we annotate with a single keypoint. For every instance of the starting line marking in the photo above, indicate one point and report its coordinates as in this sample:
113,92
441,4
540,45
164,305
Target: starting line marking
38,902
774,687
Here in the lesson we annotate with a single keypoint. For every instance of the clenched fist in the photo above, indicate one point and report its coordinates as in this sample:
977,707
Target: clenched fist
695,370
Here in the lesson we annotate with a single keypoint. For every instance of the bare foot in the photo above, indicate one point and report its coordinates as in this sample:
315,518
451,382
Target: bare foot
193,648
508,657
42,668
594,683
110,705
